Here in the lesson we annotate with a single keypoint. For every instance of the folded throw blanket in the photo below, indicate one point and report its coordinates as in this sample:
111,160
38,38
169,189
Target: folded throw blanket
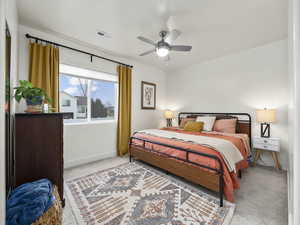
28,202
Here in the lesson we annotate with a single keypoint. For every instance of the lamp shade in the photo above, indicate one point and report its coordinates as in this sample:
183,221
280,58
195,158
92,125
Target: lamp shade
169,114
266,115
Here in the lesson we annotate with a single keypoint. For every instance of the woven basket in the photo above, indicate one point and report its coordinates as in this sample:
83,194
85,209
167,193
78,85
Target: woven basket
53,216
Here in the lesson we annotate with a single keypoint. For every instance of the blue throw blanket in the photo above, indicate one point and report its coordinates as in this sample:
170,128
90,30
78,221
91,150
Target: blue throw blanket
28,202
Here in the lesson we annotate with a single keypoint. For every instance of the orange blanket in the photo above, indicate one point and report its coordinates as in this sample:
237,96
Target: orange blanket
231,180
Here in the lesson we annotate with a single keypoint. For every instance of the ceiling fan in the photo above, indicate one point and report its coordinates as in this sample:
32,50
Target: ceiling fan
163,47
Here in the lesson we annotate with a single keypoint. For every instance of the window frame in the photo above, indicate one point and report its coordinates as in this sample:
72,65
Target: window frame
114,79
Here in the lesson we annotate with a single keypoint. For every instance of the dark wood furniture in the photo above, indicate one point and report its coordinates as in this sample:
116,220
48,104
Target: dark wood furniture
39,148
191,171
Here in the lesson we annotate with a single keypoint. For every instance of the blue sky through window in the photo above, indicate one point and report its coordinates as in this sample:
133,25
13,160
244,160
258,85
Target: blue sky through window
104,90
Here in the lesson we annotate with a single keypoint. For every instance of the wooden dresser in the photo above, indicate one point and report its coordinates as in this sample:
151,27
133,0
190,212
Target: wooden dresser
39,148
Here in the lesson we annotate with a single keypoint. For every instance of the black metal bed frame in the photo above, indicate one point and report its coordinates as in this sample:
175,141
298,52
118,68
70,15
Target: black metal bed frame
232,115
187,151
219,171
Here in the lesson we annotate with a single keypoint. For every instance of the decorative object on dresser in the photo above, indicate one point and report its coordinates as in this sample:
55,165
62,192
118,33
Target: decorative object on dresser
148,95
169,115
39,148
34,96
265,117
271,145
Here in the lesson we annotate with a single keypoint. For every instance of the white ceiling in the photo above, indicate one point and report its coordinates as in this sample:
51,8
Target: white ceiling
213,27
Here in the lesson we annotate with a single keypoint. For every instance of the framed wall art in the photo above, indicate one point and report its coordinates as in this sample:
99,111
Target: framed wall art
148,95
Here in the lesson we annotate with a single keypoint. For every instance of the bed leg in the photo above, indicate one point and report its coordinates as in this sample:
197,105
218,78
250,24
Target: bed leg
130,158
221,190
240,174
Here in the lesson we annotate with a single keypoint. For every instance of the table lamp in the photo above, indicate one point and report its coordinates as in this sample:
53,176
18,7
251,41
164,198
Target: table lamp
265,117
169,115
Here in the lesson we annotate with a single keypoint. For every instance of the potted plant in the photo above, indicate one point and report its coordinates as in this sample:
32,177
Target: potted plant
33,96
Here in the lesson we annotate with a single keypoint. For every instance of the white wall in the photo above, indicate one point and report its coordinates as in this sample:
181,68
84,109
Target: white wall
88,142
291,120
294,112
8,13
241,82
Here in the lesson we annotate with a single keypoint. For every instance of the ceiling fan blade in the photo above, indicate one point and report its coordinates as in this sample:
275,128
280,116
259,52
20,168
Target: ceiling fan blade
146,40
172,36
148,52
181,48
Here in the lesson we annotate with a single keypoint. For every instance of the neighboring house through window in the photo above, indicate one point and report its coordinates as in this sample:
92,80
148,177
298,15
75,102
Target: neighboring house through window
65,101
89,95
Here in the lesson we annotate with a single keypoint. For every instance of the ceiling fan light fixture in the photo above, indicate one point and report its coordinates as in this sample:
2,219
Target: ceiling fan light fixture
162,51
163,47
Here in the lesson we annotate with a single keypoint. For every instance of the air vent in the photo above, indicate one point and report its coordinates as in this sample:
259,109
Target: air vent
103,34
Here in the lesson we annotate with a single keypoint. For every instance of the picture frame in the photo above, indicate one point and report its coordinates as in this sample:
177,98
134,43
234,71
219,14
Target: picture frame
148,95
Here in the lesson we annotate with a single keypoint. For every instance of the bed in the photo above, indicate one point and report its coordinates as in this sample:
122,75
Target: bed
199,157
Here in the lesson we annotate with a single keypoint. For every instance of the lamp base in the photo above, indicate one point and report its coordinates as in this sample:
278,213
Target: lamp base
265,130
169,122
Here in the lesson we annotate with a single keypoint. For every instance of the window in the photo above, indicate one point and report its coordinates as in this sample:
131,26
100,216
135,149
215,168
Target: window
66,103
89,95
102,100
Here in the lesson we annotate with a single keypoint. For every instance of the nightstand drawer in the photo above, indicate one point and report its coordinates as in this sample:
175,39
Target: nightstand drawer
266,141
266,146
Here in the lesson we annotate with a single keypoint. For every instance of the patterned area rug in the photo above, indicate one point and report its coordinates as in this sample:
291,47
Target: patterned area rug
137,194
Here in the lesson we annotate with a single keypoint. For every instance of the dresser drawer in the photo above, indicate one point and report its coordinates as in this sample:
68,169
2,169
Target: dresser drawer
266,146
266,141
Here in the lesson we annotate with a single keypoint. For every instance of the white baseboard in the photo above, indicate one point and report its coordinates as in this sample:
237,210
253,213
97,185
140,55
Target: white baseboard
77,162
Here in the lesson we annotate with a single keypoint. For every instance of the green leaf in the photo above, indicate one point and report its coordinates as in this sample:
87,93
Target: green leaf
27,91
18,98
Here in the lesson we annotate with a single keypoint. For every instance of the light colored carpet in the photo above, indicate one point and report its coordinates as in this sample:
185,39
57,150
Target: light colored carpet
262,199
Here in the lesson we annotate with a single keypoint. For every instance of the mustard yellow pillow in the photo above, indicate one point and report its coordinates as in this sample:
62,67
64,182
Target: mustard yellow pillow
193,126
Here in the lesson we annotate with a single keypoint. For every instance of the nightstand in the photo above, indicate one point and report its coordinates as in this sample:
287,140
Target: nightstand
271,145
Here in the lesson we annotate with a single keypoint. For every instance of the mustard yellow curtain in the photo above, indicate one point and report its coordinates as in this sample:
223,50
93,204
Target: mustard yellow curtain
124,115
44,70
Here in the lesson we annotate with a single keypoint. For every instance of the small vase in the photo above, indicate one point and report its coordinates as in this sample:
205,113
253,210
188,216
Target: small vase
35,105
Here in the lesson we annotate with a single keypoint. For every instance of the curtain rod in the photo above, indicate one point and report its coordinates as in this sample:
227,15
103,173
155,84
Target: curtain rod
77,50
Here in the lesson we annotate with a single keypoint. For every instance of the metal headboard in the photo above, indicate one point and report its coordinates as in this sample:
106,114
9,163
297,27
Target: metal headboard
243,120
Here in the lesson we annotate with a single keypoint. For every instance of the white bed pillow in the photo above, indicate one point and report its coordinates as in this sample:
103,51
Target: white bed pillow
208,121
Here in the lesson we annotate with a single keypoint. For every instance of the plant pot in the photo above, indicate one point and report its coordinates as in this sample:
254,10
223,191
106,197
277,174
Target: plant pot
34,104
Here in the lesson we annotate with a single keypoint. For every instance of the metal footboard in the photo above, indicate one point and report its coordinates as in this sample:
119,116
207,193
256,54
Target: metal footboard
219,171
